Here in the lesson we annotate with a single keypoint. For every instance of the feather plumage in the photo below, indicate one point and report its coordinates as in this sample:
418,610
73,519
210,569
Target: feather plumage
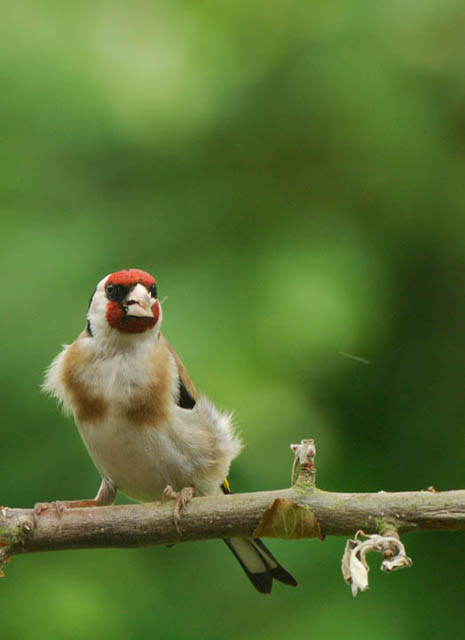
139,414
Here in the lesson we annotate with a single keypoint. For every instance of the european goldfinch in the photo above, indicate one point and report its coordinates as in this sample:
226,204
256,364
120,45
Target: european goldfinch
145,426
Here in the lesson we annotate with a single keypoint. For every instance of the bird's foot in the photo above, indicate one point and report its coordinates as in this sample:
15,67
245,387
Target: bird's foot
60,506
182,498
57,505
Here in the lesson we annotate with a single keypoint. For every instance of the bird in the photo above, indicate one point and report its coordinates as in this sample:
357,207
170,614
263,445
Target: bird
146,427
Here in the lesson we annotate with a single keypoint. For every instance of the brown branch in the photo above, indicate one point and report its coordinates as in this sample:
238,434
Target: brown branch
299,512
227,516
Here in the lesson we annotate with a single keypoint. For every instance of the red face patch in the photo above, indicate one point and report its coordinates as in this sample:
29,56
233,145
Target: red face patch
131,277
116,314
117,319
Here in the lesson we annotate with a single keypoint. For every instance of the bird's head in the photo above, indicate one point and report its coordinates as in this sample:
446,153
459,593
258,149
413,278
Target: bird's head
124,302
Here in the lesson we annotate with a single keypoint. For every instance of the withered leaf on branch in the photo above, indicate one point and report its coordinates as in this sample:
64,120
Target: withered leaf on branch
285,518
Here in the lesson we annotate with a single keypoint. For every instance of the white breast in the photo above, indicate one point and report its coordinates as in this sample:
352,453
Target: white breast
194,448
180,447
138,462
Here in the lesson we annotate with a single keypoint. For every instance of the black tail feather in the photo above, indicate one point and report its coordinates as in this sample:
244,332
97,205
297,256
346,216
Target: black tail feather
278,572
259,564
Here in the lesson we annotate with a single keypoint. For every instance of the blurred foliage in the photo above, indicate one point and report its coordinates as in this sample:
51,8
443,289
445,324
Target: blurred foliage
292,173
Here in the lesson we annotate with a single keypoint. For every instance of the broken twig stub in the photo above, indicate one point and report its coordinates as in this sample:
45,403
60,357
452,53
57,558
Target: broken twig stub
305,457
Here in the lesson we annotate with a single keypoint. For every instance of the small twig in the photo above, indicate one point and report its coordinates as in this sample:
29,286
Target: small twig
305,457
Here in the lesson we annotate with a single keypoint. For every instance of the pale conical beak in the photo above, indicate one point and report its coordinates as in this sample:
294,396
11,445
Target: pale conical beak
138,303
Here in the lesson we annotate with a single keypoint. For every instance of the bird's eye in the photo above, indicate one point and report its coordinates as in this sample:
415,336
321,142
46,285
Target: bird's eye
153,291
116,292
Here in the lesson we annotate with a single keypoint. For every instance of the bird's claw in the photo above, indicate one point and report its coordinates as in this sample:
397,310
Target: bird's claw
182,498
60,507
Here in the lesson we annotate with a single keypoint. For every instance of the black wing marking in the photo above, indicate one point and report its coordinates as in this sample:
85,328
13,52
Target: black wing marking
89,329
226,487
185,401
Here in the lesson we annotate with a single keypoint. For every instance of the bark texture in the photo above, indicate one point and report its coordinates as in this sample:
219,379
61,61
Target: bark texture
299,512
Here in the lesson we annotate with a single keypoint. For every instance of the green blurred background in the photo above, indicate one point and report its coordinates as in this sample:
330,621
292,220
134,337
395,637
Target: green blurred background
293,175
